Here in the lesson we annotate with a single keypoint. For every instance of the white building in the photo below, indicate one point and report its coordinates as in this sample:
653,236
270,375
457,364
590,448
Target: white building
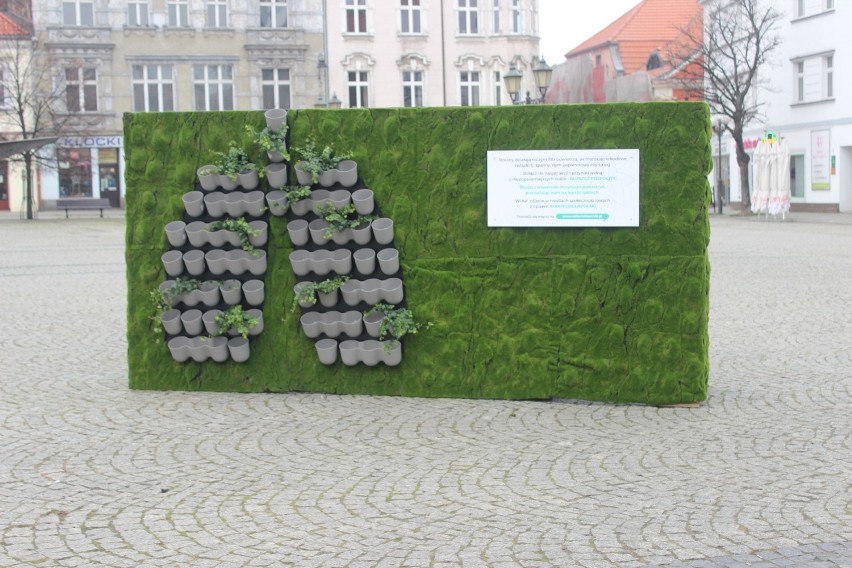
808,103
407,53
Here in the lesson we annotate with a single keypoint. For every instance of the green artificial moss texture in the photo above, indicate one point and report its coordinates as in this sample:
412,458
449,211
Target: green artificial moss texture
614,315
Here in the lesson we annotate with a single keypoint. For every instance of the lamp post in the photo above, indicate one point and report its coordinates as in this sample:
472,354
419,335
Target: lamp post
719,128
542,74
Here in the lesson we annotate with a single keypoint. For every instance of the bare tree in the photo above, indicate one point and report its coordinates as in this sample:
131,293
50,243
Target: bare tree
32,102
736,40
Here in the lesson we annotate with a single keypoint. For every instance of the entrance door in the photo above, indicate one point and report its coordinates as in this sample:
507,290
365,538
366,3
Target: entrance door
108,174
4,185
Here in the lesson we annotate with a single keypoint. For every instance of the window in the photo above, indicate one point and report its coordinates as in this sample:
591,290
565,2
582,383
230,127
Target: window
273,13
800,81
275,84
137,14
797,175
829,76
3,102
468,17
214,87
814,78
356,16
469,88
358,89
75,172
81,89
153,88
496,22
217,13
829,4
178,14
498,94
800,8
412,88
78,13
516,16
409,17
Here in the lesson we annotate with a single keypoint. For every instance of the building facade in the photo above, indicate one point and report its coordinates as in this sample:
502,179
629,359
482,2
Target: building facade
808,102
123,56
411,53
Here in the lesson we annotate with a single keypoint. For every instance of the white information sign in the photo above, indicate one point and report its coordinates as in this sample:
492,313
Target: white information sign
563,188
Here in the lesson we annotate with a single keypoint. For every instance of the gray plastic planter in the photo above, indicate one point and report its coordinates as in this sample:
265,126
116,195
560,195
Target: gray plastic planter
173,262
193,203
276,174
249,179
317,228
194,262
388,261
383,230
321,262
364,201
277,202
208,319
191,321
199,349
253,292
372,323
332,324
208,181
370,352
262,230
235,204
238,349
231,292
372,291
365,260
176,233
298,231
275,118
171,322
301,207
339,199
235,261
227,183
327,351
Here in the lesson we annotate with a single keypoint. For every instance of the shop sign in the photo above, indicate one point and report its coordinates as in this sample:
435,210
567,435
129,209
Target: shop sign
820,160
90,141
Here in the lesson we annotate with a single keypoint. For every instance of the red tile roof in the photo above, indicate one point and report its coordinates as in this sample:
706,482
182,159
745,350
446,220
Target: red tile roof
650,25
8,28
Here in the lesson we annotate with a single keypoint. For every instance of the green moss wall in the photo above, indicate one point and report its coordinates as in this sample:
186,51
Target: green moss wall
532,313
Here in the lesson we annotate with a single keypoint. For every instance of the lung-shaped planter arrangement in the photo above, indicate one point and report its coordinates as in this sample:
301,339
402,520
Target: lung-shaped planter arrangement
366,255
228,275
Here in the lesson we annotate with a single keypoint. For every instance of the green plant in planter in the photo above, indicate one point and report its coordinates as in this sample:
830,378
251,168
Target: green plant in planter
233,162
310,292
318,161
239,226
396,322
164,299
234,317
270,141
296,193
341,219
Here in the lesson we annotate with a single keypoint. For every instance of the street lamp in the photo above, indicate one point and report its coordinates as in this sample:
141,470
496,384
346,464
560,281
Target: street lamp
718,129
542,74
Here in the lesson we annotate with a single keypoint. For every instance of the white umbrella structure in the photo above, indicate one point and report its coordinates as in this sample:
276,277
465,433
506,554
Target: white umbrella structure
771,195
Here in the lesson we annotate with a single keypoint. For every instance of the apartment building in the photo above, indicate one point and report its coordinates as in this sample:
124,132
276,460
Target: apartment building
123,56
411,53
808,102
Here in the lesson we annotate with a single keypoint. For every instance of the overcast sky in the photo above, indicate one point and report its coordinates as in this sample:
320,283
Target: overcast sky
565,24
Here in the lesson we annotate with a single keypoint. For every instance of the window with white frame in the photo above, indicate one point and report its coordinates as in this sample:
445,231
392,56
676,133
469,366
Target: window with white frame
356,16
806,8
469,81
153,88
358,89
273,13
78,13
829,4
178,13
214,87
468,17
412,88
409,12
814,78
495,23
81,89
829,76
498,89
275,85
516,17
137,14
217,13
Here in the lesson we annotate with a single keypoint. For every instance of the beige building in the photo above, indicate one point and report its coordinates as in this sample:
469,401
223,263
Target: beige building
167,55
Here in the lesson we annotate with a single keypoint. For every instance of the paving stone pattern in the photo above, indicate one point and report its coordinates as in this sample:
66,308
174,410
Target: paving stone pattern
93,474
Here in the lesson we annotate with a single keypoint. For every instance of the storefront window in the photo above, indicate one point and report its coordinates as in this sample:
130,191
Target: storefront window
75,172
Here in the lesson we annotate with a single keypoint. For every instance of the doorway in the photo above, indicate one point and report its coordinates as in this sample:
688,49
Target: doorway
844,176
108,176
4,185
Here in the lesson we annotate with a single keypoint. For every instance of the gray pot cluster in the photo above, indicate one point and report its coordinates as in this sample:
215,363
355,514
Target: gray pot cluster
208,320
372,291
208,293
200,349
326,300
370,352
388,260
346,174
332,324
277,202
198,234
235,261
317,230
339,198
321,262
219,204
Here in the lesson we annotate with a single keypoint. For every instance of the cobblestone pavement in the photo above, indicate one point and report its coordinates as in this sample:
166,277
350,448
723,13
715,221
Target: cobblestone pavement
93,474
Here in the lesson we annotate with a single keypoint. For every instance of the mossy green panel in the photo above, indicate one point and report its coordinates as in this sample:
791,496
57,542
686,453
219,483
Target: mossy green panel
526,313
